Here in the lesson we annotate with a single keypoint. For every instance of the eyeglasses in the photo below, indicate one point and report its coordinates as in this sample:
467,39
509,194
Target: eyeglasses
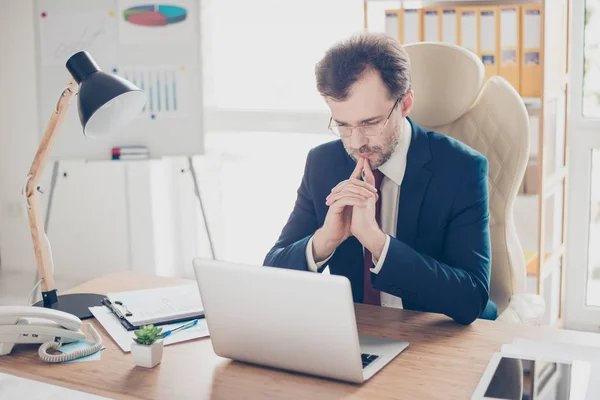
367,129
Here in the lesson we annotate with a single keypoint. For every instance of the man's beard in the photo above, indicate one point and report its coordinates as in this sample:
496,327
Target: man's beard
385,152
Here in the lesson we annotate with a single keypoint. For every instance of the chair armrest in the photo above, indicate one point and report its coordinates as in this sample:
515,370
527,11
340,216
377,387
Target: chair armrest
524,308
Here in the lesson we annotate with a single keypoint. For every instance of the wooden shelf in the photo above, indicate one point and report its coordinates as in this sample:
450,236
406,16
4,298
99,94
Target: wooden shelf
465,3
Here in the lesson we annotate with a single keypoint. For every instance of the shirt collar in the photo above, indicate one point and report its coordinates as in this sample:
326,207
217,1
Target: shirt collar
395,167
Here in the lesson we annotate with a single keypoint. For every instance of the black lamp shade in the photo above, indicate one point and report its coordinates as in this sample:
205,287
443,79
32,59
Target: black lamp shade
106,102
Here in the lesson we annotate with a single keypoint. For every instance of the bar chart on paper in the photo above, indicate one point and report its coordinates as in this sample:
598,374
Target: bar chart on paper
165,88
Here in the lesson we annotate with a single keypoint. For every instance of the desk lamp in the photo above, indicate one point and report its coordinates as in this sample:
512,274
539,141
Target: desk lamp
106,104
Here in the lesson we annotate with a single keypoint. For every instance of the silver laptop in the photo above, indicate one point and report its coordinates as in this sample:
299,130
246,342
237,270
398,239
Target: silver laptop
293,320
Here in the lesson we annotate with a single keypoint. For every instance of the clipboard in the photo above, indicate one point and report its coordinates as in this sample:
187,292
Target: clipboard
158,306
121,312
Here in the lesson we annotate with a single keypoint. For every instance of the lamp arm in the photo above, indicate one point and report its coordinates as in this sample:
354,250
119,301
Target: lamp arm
30,192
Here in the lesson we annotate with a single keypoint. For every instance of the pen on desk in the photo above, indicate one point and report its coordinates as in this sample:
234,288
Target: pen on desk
180,328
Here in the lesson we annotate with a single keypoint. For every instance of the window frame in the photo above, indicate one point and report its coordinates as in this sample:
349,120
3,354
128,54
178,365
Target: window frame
584,137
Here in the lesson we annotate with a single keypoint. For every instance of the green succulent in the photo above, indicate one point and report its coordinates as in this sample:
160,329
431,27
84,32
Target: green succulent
148,334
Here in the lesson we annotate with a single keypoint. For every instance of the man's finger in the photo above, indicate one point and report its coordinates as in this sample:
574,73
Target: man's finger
356,174
353,182
369,177
333,198
339,205
338,187
359,190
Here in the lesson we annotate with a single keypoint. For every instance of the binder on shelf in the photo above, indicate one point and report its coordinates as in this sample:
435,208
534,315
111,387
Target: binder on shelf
488,39
468,28
411,25
431,25
510,39
531,51
392,23
449,26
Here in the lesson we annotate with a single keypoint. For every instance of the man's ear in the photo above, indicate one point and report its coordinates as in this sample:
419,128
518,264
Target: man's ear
407,103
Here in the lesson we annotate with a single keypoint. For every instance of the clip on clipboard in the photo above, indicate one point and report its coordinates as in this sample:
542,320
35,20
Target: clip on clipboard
159,306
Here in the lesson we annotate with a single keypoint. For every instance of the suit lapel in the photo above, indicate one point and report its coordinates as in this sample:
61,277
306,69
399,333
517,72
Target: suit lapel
414,185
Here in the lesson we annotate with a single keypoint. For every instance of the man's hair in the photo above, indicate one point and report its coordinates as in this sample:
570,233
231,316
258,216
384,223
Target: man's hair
345,62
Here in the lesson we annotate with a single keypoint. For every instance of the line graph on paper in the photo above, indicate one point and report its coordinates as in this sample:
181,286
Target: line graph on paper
166,89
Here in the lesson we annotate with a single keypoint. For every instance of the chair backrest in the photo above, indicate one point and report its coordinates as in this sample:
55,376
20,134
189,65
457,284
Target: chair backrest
451,98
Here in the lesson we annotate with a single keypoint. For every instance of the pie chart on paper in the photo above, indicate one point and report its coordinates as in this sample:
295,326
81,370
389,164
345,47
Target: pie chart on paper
154,15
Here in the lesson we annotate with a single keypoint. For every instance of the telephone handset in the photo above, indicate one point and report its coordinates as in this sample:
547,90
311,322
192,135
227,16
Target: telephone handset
52,328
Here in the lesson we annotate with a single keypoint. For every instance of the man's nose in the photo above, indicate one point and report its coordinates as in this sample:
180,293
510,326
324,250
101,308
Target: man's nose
357,140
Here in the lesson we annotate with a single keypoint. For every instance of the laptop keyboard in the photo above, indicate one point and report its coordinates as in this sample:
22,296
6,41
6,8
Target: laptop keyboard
367,359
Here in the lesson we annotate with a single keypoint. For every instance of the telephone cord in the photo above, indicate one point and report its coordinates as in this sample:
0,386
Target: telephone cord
57,358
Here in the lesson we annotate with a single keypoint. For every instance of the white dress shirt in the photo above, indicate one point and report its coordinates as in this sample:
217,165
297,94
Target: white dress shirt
393,172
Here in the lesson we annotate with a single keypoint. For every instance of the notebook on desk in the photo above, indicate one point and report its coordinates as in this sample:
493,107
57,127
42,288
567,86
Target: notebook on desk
158,306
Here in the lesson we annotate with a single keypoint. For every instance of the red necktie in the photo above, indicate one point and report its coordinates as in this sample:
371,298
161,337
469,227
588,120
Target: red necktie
371,295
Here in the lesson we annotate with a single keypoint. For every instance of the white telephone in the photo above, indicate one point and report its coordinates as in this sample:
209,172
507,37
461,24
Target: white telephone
52,328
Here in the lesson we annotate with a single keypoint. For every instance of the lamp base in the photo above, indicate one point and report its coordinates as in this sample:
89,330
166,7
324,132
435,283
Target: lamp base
75,304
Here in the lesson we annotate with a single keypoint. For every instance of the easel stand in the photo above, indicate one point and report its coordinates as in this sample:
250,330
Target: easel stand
197,191
55,169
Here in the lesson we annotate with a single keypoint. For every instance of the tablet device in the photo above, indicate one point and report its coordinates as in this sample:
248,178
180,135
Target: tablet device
513,377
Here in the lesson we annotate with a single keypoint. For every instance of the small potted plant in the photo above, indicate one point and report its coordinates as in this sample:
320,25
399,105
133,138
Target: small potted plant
147,349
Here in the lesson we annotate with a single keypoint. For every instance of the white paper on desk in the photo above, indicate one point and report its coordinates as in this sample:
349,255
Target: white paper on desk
558,349
123,338
14,387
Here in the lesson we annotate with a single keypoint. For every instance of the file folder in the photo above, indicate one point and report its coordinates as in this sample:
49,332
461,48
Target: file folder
510,57
449,26
432,22
488,40
531,51
468,27
411,30
392,23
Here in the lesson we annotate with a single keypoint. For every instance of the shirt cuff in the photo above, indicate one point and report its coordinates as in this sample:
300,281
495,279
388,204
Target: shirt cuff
379,263
312,265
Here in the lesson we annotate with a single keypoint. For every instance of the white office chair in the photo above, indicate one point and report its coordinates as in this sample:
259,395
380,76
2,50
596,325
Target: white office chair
451,98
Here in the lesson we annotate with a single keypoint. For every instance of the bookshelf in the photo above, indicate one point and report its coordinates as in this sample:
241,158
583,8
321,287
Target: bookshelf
540,212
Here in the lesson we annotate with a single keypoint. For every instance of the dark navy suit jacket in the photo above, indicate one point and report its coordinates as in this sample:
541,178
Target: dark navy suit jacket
440,259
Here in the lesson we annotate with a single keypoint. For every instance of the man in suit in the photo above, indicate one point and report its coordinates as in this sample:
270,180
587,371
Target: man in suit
402,212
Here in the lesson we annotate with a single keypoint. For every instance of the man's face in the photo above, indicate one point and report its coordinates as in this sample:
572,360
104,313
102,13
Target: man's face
369,103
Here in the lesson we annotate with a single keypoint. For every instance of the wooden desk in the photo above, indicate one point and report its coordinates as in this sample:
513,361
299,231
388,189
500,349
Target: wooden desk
444,360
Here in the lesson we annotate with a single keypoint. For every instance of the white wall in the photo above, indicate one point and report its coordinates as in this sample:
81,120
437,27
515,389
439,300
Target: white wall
18,129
